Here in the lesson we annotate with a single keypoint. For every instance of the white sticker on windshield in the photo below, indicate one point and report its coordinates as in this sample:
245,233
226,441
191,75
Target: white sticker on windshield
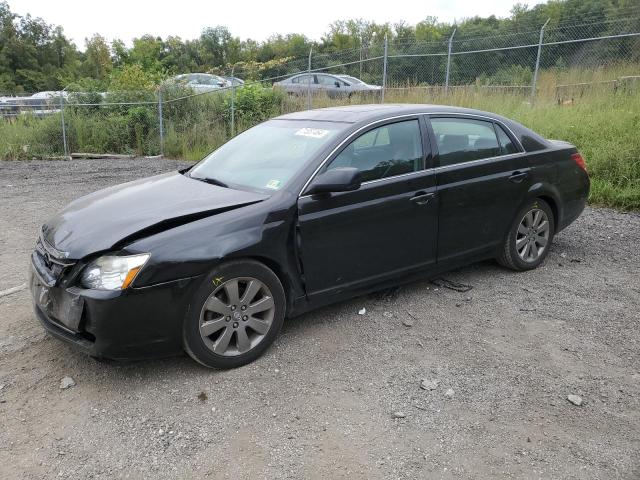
273,184
312,132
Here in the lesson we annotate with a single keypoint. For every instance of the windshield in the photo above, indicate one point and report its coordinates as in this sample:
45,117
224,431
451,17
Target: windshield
351,79
266,156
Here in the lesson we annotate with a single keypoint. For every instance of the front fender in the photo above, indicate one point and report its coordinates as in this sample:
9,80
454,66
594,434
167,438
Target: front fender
196,248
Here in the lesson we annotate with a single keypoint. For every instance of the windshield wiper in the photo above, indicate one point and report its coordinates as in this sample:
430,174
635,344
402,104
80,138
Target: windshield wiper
210,180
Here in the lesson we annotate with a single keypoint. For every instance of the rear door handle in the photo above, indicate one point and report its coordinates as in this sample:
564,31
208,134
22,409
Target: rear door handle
422,198
518,176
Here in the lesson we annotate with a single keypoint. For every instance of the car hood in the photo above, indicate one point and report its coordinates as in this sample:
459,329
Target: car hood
115,215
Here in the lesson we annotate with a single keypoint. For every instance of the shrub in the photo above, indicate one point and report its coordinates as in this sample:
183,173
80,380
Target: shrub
254,103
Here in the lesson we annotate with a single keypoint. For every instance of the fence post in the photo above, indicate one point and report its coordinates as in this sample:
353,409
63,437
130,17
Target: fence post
360,57
160,121
309,81
384,69
233,100
535,72
446,79
64,128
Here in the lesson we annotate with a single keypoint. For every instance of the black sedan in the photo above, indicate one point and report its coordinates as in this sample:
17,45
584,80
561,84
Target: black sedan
298,212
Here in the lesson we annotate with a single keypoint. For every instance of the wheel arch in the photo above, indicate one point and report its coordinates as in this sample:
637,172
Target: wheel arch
554,209
277,269
543,192
551,196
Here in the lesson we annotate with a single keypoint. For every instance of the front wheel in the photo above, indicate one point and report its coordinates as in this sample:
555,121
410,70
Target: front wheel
529,238
236,314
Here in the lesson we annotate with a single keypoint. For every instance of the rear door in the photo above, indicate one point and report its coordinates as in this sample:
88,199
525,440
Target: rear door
483,177
381,230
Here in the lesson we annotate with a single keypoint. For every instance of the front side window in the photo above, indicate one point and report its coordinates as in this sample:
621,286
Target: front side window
386,151
462,140
266,156
327,81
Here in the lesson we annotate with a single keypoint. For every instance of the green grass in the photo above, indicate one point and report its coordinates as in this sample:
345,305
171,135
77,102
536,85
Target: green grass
602,122
604,127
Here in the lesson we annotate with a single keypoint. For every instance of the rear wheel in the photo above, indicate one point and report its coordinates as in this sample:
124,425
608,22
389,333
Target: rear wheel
236,315
529,238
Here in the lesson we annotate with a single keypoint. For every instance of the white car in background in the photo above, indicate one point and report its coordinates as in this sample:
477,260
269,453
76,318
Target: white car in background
201,82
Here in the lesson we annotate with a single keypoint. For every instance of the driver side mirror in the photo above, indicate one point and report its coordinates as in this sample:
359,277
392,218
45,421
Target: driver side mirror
344,179
338,84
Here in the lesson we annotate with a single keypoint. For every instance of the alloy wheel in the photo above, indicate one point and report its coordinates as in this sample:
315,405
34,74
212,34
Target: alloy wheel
532,237
236,316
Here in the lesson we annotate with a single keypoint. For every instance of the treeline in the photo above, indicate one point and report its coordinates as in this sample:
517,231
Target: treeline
37,56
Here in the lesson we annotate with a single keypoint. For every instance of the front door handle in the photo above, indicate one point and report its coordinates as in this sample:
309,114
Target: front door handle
422,198
518,176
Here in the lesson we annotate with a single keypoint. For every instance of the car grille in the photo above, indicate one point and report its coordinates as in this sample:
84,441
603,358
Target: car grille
51,263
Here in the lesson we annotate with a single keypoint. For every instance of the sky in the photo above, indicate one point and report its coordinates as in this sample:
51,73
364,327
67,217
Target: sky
256,19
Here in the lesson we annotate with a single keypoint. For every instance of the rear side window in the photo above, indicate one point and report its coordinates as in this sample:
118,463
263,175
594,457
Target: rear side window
506,145
302,79
383,152
462,140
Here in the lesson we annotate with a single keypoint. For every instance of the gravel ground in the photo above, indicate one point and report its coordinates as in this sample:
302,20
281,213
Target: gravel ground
339,394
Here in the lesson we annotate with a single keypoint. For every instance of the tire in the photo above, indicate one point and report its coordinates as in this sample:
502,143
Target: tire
523,231
242,325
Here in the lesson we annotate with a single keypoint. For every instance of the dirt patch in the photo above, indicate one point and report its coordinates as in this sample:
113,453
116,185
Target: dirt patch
324,401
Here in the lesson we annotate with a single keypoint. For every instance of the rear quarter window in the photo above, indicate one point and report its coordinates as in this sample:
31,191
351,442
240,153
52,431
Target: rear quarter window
506,145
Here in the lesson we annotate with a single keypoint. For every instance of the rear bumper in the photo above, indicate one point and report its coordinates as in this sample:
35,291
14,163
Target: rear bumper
575,200
120,325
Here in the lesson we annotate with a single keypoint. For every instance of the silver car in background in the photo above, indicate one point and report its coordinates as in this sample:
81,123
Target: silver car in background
333,85
234,81
201,82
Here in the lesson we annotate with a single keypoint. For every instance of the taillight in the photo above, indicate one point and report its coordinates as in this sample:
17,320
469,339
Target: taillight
576,157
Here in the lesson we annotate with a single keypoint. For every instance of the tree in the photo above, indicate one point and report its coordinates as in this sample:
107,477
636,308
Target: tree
148,52
97,63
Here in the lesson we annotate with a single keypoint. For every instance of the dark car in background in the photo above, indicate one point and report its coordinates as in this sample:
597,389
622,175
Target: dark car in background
295,213
334,86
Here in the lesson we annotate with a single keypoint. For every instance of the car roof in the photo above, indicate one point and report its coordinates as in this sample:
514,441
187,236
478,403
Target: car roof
372,112
358,115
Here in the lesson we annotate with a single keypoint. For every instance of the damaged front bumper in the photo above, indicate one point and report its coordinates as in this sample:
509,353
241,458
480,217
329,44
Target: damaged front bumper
120,325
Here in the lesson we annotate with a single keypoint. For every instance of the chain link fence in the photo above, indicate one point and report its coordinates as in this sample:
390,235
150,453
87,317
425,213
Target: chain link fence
559,64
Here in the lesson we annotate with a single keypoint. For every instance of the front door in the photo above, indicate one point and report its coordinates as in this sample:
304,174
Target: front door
385,228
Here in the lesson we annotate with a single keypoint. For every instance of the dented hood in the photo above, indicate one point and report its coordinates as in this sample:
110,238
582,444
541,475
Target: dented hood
109,217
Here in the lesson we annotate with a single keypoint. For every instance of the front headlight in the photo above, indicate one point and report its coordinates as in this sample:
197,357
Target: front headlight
112,272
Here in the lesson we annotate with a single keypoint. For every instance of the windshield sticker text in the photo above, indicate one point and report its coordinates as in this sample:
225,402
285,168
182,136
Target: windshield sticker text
273,184
312,132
